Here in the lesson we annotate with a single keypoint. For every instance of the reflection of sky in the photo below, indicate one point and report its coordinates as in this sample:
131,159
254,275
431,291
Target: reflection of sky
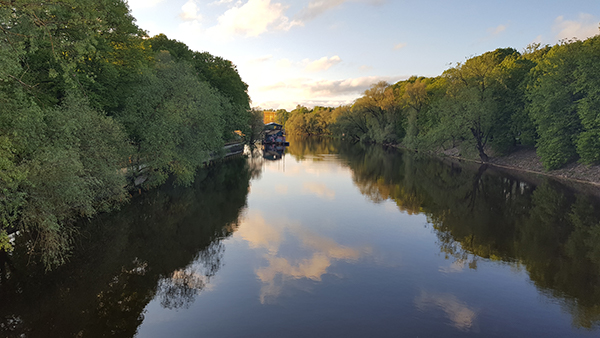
313,187
319,189
460,315
312,256
317,254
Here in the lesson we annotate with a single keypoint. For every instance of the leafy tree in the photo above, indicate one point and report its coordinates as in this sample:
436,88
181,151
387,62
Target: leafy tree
66,69
471,110
175,122
587,85
513,124
415,98
297,122
178,50
351,123
223,75
220,74
282,116
58,41
256,124
380,105
553,104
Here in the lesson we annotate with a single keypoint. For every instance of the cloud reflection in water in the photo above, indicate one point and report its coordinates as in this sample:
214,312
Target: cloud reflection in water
459,313
317,255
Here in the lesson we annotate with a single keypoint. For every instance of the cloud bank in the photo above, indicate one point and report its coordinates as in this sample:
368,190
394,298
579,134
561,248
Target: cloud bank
253,18
323,64
584,27
316,8
333,87
190,11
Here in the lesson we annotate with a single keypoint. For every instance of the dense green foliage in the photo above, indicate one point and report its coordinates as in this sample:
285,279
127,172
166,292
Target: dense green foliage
546,97
89,104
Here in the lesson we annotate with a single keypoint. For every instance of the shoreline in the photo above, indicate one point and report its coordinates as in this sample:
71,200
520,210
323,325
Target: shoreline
525,163
525,160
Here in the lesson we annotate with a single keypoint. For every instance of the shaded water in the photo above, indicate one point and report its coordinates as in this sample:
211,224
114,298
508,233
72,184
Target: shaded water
332,240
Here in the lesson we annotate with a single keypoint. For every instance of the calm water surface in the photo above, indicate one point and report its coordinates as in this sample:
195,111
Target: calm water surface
331,240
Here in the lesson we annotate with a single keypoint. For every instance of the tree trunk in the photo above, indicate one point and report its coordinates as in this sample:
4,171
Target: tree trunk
482,154
480,146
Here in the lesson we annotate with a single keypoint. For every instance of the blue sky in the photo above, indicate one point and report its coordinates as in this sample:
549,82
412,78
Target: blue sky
327,52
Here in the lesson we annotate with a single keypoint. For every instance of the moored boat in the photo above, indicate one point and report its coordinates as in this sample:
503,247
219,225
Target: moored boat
273,133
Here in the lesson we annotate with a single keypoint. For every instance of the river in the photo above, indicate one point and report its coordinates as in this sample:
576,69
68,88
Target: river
328,240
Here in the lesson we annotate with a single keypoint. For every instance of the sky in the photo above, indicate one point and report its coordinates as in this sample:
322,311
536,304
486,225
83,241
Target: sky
328,52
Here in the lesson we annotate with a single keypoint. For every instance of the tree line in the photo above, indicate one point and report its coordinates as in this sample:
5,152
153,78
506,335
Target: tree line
88,101
545,97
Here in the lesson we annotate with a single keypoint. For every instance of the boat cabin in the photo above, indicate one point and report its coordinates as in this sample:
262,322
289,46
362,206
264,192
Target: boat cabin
273,126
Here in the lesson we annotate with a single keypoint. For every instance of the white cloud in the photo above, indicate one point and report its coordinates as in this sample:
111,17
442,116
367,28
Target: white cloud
140,4
220,2
584,27
356,85
399,46
261,59
253,18
497,30
493,32
311,92
189,11
318,7
189,29
323,63
284,63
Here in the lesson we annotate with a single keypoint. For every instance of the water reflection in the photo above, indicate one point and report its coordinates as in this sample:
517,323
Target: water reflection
546,228
302,147
435,249
318,252
273,152
459,313
181,288
318,189
165,244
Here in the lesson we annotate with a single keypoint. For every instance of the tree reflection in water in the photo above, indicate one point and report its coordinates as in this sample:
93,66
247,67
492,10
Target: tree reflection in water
180,289
165,243
550,230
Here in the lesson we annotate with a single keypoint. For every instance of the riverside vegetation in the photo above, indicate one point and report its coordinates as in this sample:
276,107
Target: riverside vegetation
87,100
546,97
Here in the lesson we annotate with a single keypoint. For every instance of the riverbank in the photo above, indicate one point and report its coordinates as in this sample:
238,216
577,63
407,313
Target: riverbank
526,160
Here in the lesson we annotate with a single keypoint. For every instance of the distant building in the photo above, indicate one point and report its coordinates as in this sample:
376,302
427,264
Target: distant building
269,116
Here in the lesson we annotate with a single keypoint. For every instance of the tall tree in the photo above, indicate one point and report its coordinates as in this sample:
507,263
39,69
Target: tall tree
415,98
174,121
553,104
472,109
380,104
587,85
